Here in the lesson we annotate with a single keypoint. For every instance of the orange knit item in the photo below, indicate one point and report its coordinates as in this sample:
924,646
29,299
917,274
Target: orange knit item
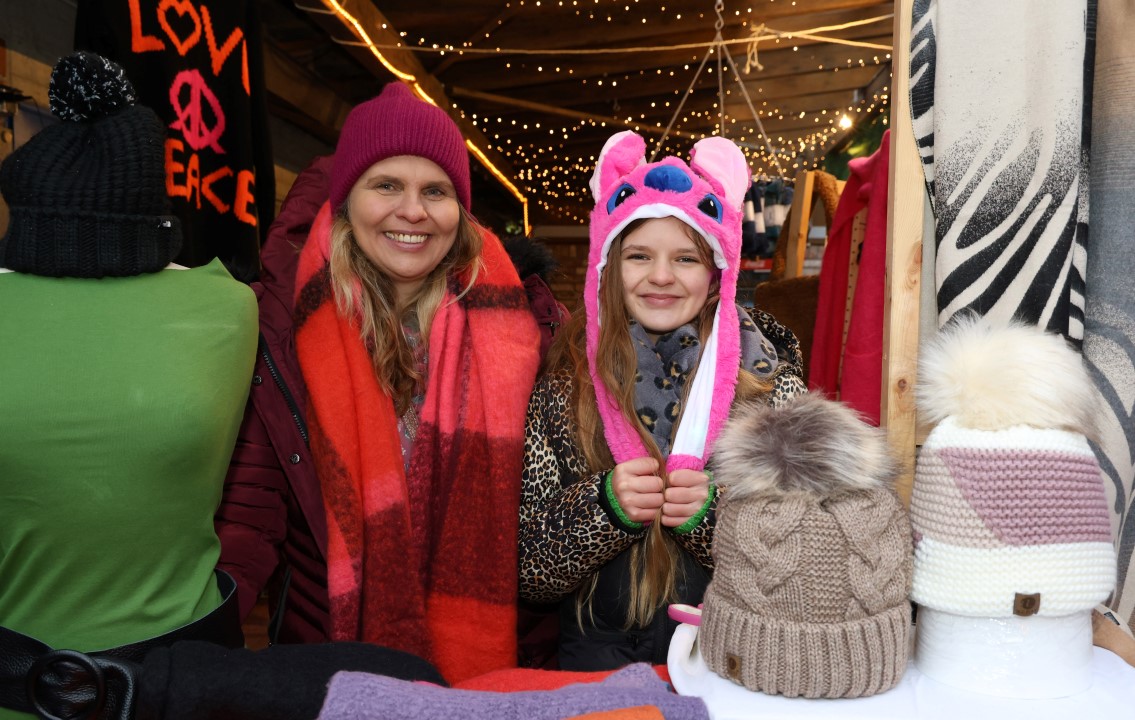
523,679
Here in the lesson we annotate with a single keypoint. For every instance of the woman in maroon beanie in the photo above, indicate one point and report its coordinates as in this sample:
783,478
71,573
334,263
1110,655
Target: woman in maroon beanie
376,478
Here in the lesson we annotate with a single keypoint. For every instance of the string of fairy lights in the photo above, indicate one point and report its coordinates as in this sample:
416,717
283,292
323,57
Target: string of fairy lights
554,175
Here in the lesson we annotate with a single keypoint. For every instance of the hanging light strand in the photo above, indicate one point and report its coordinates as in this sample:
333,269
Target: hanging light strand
770,34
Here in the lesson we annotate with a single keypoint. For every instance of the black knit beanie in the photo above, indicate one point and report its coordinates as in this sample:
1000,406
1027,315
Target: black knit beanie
87,195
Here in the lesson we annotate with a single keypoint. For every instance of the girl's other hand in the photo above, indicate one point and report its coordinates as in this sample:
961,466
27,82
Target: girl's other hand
687,492
638,488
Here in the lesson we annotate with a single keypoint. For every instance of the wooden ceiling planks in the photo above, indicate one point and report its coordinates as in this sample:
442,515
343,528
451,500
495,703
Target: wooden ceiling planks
798,93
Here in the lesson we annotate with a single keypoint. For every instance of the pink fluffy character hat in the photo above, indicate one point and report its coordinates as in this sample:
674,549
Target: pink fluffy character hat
707,195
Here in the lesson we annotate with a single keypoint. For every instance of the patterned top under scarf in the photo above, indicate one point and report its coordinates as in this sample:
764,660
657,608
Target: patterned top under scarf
408,421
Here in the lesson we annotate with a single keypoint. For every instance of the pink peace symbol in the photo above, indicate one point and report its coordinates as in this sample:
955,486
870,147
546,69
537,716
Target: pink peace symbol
190,118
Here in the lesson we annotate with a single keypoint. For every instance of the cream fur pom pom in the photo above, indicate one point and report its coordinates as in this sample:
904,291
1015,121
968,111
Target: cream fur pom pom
990,376
808,445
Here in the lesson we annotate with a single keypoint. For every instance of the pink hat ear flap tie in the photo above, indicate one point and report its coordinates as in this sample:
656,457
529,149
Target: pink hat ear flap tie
621,154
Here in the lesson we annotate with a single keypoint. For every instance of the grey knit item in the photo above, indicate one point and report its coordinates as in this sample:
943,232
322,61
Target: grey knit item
813,566
664,367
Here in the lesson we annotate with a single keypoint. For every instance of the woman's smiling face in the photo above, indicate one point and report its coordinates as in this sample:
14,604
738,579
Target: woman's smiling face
665,280
404,215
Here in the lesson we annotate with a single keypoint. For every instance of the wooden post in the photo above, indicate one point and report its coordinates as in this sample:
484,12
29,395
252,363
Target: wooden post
796,234
904,260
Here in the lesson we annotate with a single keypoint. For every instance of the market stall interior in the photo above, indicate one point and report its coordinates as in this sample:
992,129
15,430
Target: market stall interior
538,85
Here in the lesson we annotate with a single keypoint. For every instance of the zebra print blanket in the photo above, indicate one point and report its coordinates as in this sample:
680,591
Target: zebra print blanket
997,94
1109,342
1009,100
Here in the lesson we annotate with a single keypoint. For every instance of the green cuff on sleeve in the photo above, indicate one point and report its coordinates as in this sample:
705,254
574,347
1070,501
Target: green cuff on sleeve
613,505
694,520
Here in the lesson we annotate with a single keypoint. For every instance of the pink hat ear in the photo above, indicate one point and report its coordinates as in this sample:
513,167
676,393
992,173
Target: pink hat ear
718,160
623,152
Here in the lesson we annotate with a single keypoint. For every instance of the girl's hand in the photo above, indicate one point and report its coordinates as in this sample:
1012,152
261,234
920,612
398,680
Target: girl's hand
638,488
685,496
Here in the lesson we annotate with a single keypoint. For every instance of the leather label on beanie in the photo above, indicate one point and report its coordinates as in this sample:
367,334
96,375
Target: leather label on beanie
733,666
1026,605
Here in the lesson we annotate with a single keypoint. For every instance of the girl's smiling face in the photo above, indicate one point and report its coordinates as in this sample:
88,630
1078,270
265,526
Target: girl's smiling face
666,275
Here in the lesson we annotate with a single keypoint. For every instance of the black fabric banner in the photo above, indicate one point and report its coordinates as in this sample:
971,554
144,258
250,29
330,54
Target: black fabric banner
199,65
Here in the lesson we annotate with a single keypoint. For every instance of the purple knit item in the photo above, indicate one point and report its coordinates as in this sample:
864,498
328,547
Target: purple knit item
359,696
397,123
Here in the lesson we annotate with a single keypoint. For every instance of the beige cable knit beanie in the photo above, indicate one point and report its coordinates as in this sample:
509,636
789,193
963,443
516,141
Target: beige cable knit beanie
813,555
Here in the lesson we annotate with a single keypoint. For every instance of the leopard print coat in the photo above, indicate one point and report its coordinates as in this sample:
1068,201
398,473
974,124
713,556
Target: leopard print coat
566,532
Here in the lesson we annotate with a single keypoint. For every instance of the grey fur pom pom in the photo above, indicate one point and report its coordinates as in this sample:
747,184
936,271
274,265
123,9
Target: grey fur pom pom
809,445
85,87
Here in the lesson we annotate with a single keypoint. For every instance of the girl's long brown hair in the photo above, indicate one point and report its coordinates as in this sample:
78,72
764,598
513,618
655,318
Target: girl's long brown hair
363,291
654,562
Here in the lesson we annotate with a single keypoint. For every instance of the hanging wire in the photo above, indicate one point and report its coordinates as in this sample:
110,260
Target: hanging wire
720,95
768,34
753,110
716,45
721,48
678,110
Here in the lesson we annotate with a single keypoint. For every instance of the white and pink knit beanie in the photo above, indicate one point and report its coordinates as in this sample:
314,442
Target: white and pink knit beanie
707,195
1009,508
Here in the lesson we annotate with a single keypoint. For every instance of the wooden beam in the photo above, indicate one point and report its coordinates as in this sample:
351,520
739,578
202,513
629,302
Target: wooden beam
904,263
478,37
744,131
666,87
778,60
878,85
625,29
786,124
584,146
543,109
349,20
291,83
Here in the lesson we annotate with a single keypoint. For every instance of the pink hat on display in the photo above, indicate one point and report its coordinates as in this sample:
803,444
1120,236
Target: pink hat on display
707,195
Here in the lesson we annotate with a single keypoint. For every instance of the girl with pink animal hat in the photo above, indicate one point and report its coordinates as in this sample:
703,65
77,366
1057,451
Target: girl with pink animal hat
617,510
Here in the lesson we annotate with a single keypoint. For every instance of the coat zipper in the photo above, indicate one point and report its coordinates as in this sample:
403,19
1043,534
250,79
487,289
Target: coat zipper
277,619
279,380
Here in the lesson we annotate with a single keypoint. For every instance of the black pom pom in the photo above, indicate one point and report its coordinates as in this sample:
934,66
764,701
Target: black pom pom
85,86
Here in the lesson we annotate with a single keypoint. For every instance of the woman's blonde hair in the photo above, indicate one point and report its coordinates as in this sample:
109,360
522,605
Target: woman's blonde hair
653,562
364,292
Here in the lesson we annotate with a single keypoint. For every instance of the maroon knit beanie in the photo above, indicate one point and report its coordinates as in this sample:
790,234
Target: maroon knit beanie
397,123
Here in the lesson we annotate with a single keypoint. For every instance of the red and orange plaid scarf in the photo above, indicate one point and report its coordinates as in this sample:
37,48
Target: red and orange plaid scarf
429,567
